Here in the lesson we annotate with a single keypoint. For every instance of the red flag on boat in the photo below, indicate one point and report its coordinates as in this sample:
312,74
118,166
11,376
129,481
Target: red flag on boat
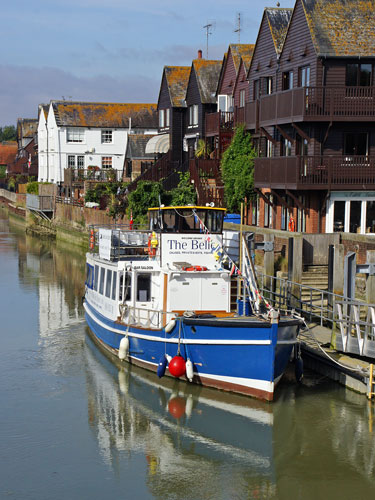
131,220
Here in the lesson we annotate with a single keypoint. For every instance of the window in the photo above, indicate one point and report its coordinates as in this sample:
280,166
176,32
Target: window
355,144
75,135
89,275
355,216
339,216
76,161
358,75
167,117
96,278
304,76
269,149
108,283
114,285
268,85
193,115
267,211
161,118
125,287
107,162
106,136
287,80
242,98
144,288
101,282
286,147
222,103
370,217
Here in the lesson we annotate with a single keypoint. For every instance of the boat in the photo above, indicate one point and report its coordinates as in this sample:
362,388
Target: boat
161,298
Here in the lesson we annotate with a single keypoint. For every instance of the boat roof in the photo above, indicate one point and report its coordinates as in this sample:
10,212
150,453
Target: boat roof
190,207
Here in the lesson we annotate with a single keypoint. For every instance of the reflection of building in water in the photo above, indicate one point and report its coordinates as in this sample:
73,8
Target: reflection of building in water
184,432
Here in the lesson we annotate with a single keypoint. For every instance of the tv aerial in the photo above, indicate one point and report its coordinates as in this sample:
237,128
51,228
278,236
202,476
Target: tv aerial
209,27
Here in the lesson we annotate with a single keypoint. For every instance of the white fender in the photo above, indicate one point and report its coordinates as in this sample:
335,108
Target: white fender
169,326
189,405
168,358
123,348
189,370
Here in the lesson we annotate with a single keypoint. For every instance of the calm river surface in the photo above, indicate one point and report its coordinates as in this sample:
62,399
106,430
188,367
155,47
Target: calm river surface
73,425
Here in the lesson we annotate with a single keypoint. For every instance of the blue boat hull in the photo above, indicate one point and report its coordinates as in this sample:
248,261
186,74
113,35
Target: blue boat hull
243,355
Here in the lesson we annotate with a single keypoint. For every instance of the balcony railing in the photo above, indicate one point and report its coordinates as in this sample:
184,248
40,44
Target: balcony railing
221,121
206,176
72,175
316,103
315,172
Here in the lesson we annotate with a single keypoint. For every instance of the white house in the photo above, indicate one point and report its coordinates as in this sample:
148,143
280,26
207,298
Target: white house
83,134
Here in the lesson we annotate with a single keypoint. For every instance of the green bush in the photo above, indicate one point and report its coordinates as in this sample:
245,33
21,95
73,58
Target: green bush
32,187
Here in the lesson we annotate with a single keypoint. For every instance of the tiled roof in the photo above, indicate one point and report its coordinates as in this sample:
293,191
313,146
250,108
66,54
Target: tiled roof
208,73
100,114
27,127
242,51
342,27
278,21
137,145
177,81
8,151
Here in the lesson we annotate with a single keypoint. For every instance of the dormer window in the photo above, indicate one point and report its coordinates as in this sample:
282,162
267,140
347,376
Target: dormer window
193,115
106,136
163,118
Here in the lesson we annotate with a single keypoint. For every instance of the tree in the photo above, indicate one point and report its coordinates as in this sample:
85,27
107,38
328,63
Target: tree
237,169
184,193
8,133
145,196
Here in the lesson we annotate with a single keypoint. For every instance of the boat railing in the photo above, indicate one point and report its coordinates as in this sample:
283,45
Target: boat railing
145,317
124,242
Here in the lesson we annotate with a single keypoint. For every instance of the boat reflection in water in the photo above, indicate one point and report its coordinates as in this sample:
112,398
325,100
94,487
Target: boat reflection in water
194,439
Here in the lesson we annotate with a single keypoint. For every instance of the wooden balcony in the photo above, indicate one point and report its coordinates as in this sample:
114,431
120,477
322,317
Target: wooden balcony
315,172
251,115
315,104
219,122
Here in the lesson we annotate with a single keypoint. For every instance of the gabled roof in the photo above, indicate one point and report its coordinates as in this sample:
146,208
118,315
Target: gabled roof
101,114
137,146
177,81
242,51
27,127
207,73
341,27
278,22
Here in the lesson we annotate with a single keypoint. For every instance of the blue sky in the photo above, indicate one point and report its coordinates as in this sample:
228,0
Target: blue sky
109,50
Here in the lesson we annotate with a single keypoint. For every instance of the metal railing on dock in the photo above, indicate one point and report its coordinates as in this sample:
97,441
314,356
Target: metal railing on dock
352,321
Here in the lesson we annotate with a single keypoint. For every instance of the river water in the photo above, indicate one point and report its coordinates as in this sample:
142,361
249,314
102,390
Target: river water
74,425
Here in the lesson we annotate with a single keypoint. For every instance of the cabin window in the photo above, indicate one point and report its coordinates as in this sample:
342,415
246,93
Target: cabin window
144,287
125,287
96,278
106,161
101,281
287,80
108,283
106,136
89,275
114,279
358,75
75,135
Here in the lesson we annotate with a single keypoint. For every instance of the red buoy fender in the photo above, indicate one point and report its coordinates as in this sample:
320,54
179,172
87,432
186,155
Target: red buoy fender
177,366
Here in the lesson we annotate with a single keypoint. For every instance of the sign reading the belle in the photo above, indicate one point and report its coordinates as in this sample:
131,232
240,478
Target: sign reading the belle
196,250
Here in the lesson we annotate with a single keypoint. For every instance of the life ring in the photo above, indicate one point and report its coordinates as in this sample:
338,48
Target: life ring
291,225
195,268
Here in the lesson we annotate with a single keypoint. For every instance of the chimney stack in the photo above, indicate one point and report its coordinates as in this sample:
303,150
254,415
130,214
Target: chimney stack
199,54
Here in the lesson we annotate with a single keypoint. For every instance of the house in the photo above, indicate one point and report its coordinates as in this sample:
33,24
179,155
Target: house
317,169
136,158
8,152
171,109
220,123
27,129
86,137
200,100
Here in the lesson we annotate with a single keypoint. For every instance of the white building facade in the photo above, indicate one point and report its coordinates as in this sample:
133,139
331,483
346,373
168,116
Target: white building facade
74,135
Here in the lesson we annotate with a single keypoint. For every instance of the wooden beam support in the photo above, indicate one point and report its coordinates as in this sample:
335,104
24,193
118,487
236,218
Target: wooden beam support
265,199
269,136
327,132
284,134
300,205
301,132
281,200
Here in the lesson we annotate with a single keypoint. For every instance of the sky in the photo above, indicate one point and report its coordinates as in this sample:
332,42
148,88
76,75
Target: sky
109,50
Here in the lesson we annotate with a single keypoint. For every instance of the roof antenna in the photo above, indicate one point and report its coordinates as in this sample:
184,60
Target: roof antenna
238,29
208,27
